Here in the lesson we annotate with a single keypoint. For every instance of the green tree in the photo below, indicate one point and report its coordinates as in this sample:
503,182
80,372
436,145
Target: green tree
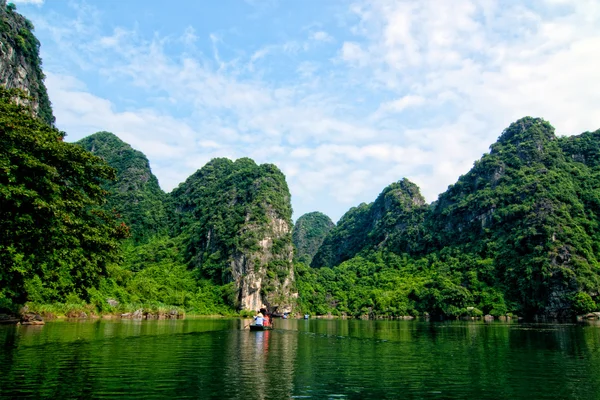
54,238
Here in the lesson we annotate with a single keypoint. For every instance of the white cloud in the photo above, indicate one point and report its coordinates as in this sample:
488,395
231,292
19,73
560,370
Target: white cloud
353,53
498,60
414,89
322,36
398,105
483,65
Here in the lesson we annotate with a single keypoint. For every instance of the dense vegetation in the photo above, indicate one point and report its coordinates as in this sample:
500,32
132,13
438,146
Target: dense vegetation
394,220
135,195
308,235
86,223
16,32
55,240
518,233
236,218
183,244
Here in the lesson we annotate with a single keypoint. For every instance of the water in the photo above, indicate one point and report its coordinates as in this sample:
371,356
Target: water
319,359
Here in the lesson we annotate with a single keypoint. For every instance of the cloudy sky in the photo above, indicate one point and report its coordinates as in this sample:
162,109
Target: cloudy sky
345,97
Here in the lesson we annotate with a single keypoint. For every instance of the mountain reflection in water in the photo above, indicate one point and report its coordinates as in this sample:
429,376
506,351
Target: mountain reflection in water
217,358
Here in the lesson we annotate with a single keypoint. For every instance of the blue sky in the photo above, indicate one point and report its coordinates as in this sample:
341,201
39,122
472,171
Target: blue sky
345,97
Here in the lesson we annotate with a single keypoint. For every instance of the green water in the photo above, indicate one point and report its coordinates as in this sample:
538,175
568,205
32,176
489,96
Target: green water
320,359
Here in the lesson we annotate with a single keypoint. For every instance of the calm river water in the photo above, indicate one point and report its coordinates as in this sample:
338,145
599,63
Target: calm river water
320,359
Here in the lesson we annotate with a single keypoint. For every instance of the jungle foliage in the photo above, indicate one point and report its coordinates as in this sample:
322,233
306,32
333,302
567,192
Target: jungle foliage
308,235
394,219
518,233
83,223
135,194
224,209
55,239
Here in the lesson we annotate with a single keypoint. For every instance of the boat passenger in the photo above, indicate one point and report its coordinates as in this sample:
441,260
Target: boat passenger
259,319
267,321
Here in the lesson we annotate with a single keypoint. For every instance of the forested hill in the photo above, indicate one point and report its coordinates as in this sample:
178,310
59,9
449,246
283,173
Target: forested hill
308,234
518,233
135,195
229,223
84,223
394,220
20,63
236,217
533,206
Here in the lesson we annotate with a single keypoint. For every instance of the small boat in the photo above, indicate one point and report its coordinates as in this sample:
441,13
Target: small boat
260,327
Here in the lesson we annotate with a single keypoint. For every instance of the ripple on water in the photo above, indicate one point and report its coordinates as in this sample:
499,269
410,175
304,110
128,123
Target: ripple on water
315,359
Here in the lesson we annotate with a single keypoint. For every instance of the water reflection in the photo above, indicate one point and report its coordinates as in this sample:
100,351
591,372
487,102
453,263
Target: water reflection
300,358
263,362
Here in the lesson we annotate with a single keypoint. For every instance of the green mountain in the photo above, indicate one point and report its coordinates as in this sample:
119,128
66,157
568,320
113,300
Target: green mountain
135,195
518,233
394,220
308,234
221,240
236,217
531,207
20,63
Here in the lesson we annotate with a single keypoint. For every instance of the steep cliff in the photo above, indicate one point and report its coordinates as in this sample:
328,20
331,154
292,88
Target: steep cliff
394,220
20,63
308,234
135,195
237,218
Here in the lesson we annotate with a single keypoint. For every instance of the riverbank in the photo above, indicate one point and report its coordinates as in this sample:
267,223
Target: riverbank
33,313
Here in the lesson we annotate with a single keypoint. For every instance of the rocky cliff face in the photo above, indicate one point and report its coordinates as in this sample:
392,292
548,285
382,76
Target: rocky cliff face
20,64
264,275
237,217
308,234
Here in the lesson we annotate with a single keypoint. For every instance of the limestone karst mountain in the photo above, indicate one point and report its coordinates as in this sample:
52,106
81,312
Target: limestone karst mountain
393,220
20,63
518,233
308,234
237,216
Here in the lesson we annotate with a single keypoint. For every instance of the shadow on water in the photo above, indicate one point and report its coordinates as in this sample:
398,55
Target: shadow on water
300,359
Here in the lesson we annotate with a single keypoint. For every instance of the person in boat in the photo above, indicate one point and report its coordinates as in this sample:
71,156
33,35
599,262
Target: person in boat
267,321
267,317
259,319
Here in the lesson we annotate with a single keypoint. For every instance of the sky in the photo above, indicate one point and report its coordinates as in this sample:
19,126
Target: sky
345,97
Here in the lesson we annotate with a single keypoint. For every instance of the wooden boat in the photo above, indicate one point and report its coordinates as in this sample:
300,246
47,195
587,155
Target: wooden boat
260,328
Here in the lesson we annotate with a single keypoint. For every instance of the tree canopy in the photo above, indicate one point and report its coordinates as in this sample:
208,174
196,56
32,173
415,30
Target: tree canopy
54,237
